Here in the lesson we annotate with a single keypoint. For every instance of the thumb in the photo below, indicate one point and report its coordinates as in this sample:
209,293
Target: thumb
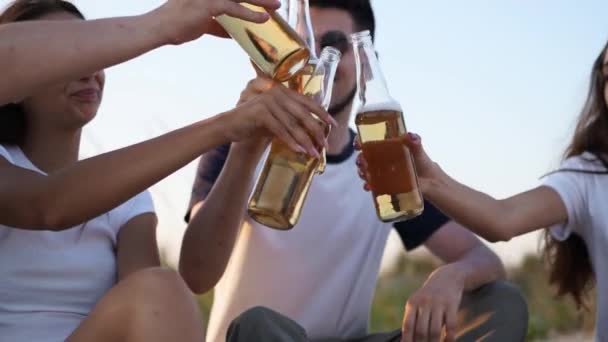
414,142
215,29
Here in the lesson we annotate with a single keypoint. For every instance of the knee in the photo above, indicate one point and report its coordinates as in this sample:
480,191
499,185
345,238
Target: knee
504,300
157,281
506,295
497,309
154,289
263,324
255,317
149,301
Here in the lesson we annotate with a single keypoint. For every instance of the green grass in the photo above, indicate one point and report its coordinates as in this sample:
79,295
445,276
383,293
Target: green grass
547,314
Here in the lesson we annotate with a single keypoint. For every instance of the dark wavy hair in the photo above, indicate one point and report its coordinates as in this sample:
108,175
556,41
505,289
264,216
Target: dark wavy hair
569,263
360,10
13,124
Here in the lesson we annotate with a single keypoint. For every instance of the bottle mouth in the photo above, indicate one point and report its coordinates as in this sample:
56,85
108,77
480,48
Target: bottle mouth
359,36
330,53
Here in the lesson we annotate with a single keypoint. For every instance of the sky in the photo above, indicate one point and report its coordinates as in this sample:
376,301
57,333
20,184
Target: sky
493,87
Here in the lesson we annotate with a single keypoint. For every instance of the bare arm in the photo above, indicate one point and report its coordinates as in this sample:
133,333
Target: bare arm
136,245
496,220
71,49
492,219
75,48
31,201
215,223
464,252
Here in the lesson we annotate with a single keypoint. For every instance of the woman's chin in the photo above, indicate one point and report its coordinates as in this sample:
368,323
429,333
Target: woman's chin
85,115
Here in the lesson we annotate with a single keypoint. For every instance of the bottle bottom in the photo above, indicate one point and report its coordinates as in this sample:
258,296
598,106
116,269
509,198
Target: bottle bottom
399,207
291,65
270,219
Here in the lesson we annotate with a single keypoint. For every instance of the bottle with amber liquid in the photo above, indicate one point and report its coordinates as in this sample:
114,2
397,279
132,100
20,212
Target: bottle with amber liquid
379,119
282,186
273,46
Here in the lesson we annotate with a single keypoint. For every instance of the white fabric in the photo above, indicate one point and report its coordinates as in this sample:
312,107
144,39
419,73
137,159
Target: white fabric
586,199
322,273
50,281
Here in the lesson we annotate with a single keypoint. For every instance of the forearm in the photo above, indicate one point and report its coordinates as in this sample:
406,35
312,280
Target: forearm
71,49
478,267
213,229
479,212
96,185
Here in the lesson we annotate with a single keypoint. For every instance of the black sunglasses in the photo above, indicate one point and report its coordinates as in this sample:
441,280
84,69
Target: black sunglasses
335,39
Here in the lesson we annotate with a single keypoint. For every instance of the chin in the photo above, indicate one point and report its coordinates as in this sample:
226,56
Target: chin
83,117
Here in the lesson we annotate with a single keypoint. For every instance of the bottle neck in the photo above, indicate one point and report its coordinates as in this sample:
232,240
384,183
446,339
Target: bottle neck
300,19
371,86
320,85
330,62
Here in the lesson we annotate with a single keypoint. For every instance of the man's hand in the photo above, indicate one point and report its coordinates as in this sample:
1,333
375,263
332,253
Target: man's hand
434,306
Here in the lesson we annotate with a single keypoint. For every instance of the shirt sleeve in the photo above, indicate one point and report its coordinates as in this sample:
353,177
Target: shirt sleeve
418,230
4,153
209,168
138,205
569,183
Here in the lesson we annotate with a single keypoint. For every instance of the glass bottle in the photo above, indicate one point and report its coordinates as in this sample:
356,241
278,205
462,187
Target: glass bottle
381,127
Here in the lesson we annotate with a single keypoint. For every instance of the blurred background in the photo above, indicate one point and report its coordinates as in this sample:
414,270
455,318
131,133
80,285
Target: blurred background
494,88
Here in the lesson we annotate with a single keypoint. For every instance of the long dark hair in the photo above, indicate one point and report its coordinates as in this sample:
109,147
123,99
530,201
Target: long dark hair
569,263
13,124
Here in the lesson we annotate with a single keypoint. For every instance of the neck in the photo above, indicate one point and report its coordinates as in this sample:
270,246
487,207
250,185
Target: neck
51,150
339,137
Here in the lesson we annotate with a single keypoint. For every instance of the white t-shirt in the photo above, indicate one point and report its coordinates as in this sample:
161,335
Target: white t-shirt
50,281
586,199
323,272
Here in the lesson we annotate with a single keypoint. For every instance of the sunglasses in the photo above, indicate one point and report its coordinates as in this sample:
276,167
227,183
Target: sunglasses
335,39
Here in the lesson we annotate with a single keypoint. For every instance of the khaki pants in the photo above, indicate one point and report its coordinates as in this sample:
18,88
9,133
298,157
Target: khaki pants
494,312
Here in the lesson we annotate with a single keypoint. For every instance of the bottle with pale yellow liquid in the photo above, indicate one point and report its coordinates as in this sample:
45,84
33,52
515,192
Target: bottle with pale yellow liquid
282,186
298,12
392,175
273,46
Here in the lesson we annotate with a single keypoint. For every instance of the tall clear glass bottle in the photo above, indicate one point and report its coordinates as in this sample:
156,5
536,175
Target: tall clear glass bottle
381,127
299,19
281,188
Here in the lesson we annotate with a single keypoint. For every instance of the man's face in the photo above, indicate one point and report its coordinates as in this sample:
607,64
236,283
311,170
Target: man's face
333,27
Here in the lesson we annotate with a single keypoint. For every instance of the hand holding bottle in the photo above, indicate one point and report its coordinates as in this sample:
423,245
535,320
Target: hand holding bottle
187,20
256,145
278,112
427,170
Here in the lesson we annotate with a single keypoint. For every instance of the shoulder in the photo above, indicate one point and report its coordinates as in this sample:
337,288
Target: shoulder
140,204
575,171
586,161
4,153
